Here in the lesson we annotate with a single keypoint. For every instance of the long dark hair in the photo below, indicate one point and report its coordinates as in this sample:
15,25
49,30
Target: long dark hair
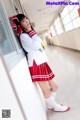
20,18
17,19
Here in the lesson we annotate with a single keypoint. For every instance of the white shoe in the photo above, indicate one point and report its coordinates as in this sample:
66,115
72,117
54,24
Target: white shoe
60,108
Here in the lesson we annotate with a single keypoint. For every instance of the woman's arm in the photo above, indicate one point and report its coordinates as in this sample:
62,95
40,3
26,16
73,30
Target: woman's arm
34,36
29,42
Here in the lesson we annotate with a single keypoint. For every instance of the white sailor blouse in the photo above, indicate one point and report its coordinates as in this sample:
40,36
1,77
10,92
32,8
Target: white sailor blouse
31,44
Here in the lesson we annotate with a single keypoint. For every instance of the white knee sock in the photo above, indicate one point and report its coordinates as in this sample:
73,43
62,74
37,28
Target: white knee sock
51,103
54,94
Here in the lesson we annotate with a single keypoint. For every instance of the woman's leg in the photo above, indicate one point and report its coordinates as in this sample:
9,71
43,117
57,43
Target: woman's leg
49,89
45,87
53,85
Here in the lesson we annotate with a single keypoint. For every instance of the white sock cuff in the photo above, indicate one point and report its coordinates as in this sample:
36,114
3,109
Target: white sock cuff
54,94
49,99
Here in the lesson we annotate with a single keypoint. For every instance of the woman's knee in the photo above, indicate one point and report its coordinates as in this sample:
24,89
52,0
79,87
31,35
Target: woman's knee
54,85
54,89
47,92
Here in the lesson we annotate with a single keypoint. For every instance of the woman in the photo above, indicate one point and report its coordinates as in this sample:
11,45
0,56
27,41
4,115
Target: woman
37,61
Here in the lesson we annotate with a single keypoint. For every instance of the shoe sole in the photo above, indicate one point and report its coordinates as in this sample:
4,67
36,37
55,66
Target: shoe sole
60,111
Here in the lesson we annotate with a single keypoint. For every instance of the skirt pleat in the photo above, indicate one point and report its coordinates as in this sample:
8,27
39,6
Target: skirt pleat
41,72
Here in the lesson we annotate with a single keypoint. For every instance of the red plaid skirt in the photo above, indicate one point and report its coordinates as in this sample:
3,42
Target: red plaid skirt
41,72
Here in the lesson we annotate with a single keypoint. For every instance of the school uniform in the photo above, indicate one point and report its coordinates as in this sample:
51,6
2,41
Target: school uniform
37,60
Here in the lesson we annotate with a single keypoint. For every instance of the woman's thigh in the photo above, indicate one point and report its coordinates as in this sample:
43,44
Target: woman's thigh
44,85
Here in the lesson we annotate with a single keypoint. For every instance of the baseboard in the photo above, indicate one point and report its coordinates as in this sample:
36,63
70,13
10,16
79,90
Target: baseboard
67,48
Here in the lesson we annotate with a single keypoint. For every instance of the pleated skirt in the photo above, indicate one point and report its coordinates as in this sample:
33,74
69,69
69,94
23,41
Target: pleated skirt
41,72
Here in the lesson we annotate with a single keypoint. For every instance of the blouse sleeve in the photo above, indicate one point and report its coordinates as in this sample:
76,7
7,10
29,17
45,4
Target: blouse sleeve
29,42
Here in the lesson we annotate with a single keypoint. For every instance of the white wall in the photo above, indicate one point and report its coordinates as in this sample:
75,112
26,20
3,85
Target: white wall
7,96
42,36
17,2
31,101
70,39
33,105
28,93
9,7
